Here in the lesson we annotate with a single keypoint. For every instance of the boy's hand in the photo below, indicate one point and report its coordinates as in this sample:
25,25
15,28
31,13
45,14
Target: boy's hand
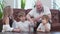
47,29
16,30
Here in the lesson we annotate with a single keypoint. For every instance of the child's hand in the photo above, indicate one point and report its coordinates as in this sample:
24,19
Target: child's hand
47,28
39,30
16,30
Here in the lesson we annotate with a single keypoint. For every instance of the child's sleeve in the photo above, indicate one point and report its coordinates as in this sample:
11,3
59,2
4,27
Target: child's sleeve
14,25
11,29
6,28
3,30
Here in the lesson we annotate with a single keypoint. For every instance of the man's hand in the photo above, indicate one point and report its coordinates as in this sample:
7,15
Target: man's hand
38,17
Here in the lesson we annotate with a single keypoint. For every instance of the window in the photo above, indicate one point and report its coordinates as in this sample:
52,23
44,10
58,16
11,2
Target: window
29,4
17,3
56,4
1,5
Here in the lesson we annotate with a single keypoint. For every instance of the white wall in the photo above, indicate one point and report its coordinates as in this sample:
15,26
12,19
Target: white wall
45,2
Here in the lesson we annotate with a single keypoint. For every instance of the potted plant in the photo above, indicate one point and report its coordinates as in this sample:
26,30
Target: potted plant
1,9
23,4
1,13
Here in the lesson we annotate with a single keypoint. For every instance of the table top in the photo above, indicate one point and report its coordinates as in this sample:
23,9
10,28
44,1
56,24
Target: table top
29,32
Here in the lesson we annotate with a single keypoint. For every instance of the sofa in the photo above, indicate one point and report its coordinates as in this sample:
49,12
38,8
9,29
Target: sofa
55,18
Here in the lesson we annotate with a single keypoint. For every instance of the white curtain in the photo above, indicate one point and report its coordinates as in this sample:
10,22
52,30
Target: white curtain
56,4
17,4
28,5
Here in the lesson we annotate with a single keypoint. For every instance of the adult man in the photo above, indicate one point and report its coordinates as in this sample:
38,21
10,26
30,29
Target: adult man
38,12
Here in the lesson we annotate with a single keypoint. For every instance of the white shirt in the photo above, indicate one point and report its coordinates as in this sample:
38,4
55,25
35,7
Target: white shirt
35,14
7,28
42,27
23,26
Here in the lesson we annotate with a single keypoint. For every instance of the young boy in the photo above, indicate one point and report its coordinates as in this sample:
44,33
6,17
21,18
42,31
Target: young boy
22,23
45,26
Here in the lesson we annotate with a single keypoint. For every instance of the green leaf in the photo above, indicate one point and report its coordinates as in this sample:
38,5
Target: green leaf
23,4
1,14
1,9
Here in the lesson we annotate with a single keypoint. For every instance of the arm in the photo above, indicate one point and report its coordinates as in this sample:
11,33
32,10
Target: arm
38,17
39,30
16,30
30,14
7,20
47,28
29,18
7,28
48,14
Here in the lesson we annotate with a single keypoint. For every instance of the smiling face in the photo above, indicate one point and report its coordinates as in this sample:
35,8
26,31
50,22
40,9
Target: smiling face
22,18
39,6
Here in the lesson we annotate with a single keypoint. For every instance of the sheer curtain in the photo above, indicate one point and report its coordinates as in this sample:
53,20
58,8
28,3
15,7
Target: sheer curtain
56,4
1,5
29,4
17,4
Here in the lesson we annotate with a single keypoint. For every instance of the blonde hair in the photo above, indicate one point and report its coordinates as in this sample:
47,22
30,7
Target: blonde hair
18,15
21,14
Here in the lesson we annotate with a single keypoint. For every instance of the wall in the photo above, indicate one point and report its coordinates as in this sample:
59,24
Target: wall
11,3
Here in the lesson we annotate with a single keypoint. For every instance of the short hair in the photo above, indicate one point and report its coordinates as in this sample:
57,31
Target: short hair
21,14
45,17
18,15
